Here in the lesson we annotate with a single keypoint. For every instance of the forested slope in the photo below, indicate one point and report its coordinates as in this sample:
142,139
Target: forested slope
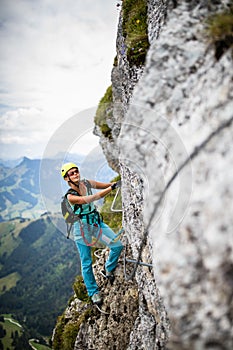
38,268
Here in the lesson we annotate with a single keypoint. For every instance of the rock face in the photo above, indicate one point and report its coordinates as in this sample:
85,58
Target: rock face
110,328
178,132
172,143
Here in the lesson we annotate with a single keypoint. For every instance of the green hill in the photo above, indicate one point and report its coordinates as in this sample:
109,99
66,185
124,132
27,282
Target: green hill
37,269
12,335
20,190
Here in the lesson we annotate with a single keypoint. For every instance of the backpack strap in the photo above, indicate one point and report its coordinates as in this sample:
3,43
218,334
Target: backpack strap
75,193
89,192
88,186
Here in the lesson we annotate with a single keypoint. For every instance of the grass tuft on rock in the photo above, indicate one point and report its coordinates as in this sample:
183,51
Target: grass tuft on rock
220,31
135,30
104,112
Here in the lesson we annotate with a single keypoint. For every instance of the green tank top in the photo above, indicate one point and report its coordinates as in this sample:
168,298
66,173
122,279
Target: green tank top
84,208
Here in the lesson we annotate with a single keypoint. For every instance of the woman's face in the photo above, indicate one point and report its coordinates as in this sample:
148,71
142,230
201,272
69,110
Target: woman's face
73,174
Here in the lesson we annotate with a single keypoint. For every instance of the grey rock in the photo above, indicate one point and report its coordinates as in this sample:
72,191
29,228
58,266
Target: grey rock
172,144
180,119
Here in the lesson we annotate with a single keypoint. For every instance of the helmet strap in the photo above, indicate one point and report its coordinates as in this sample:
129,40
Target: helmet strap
73,182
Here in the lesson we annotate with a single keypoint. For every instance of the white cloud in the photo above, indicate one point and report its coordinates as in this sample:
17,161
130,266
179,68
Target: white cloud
22,125
56,59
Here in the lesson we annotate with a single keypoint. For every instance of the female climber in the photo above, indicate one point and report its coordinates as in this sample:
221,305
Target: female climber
81,199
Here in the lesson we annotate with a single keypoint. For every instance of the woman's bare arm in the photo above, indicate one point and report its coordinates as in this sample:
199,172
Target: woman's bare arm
88,199
99,185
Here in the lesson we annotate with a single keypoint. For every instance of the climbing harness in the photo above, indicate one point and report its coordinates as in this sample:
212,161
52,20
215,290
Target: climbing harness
94,240
77,214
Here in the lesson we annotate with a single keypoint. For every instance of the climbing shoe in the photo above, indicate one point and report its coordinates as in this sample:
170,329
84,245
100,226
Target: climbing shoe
110,276
96,299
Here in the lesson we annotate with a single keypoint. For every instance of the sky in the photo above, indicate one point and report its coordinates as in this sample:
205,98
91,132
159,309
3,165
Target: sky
56,61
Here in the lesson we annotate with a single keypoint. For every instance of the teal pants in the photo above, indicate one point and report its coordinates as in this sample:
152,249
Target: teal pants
86,260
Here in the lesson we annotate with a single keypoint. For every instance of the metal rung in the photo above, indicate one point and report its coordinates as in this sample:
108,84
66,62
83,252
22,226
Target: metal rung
138,262
113,202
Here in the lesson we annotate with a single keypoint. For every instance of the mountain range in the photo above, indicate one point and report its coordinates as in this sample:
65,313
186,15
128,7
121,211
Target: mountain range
34,186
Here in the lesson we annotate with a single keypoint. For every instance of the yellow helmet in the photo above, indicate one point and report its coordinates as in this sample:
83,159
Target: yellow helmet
66,167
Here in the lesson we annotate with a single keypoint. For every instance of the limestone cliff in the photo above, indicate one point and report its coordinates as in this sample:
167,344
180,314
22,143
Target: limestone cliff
171,141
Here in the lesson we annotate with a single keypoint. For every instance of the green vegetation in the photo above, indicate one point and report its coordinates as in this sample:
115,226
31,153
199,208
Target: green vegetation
69,335
115,62
57,340
44,264
9,236
104,112
12,335
8,282
220,31
135,30
136,40
67,330
80,289
20,190
112,219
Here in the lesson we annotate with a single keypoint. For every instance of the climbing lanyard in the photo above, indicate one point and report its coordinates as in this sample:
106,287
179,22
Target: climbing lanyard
94,240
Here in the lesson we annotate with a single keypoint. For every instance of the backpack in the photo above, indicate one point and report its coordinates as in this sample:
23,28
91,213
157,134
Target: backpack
68,212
